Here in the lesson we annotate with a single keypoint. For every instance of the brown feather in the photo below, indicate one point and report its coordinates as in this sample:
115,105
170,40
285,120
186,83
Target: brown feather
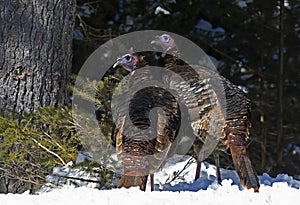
231,128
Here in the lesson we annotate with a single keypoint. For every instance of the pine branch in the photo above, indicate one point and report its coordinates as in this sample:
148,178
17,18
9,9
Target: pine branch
20,178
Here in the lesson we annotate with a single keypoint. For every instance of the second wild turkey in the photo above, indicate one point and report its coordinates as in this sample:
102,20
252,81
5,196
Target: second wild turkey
235,130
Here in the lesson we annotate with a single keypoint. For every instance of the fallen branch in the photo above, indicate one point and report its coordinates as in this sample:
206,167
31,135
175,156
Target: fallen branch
76,178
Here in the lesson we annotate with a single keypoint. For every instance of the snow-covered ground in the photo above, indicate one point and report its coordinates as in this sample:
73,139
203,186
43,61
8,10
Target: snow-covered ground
183,190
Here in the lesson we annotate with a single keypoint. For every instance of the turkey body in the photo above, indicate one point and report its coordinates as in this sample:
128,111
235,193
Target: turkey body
222,114
147,122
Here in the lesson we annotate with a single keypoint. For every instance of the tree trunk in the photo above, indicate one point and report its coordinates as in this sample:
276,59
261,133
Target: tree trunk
280,137
35,59
35,52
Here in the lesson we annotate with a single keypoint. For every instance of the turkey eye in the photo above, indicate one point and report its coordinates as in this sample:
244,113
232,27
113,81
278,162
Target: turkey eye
166,38
128,57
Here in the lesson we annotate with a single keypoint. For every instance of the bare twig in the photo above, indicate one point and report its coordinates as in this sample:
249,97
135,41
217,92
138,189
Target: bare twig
47,150
52,141
178,173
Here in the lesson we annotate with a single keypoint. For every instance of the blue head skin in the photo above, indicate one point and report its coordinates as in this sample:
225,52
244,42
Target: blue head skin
166,42
128,62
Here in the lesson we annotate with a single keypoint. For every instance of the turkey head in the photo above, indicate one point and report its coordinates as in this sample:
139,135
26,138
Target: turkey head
128,62
166,42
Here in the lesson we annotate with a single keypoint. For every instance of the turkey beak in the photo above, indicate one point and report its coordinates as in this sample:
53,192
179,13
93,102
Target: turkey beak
117,63
156,41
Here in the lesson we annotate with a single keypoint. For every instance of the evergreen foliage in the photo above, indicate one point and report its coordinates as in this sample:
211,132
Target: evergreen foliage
33,143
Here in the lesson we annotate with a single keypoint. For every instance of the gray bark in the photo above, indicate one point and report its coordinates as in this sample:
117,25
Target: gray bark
35,59
35,52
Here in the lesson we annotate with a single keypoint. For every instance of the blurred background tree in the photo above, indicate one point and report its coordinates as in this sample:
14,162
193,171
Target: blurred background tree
253,43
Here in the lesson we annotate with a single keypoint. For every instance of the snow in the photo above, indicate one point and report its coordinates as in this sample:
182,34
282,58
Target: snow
204,25
161,10
282,189
206,29
243,3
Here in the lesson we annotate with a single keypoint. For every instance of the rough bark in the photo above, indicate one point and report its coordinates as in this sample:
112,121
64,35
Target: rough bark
35,59
35,52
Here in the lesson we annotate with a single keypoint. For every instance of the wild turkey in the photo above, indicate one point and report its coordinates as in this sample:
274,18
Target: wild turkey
142,137
233,130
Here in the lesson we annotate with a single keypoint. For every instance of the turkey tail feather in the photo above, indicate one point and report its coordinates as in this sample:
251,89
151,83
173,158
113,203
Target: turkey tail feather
241,159
245,170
